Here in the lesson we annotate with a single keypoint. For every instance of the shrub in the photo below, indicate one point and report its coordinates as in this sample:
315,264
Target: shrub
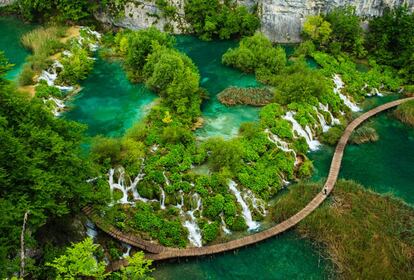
43,90
256,54
210,231
26,76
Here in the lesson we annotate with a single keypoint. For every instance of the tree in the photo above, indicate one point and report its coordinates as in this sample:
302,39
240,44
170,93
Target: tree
41,170
317,29
346,30
79,261
391,40
213,18
138,268
256,54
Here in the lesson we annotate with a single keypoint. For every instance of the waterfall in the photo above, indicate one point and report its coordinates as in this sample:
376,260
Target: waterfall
322,121
194,232
121,186
128,250
247,215
325,108
256,203
339,84
305,133
284,146
91,229
162,199
223,225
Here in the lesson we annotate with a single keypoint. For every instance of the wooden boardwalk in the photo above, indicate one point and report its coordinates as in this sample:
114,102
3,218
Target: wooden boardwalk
157,252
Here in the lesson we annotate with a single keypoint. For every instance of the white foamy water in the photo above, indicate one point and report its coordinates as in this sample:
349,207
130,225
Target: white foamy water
257,204
91,229
284,146
305,133
247,214
224,226
325,108
123,187
194,232
339,84
128,250
162,200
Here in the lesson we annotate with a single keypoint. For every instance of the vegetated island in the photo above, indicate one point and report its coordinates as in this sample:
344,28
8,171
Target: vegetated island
366,235
246,96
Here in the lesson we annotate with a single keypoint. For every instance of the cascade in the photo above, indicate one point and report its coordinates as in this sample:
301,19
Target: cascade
256,203
162,200
194,232
128,250
322,121
121,186
305,133
91,229
224,226
284,146
334,121
339,84
247,215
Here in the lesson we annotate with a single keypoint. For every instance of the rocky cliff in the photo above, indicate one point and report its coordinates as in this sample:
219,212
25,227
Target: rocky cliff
281,19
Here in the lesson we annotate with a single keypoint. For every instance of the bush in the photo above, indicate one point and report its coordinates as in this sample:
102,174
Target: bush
332,136
45,91
405,112
26,76
212,18
210,231
256,54
75,67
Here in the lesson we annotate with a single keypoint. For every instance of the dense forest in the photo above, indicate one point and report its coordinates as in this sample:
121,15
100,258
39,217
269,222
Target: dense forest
47,176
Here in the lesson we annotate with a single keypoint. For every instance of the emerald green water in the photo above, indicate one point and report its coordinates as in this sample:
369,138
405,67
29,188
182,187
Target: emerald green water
109,104
220,120
10,32
385,166
283,257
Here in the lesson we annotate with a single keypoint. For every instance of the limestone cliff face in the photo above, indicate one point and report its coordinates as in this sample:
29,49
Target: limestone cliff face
143,14
281,19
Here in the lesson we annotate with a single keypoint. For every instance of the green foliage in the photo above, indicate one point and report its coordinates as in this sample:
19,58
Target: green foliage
364,134
347,33
212,18
174,76
223,154
213,206
317,29
358,83
41,170
75,67
138,268
405,112
210,231
305,169
256,54
26,75
43,90
169,232
79,261
332,136
390,40
136,46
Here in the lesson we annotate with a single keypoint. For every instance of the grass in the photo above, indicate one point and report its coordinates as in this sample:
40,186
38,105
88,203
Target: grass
405,112
249,96
366,235
43,42
364,134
